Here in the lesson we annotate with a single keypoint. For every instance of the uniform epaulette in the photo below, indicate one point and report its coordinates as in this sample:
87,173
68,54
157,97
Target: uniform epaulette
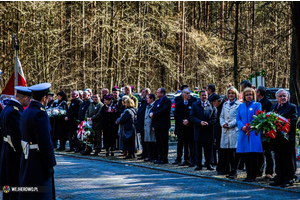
42,109
16,108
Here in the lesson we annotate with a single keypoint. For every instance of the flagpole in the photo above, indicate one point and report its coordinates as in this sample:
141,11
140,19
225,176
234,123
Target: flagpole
16,47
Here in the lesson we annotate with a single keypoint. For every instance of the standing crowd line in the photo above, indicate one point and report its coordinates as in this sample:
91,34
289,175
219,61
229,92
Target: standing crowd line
210,123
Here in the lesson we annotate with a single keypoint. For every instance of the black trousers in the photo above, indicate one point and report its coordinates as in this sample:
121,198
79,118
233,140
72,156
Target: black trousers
145,146
152,150
162,142
285,165
208,152
179,150
269,160
228,161
251,160
72,134
98,140
189,151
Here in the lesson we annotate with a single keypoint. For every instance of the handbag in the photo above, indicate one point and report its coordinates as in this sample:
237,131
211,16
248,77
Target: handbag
128,136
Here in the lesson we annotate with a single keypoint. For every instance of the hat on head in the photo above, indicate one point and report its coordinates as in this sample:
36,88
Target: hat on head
107,97
215,97
40,89
196,88
23,90
50,93
115,89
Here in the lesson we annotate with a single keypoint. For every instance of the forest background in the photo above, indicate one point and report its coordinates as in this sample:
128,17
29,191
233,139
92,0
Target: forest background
96,44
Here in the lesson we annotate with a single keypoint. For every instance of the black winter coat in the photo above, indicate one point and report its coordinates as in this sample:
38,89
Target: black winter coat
180,99
141,116
82,109
161,113
126,120
265,104
289,111
72,112
109,127
60,126
182,112
208,114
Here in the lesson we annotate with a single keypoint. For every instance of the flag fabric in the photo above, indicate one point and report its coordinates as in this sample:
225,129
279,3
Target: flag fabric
9,87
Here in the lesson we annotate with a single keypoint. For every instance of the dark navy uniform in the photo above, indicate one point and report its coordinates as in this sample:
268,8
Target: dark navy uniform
36,168
11,149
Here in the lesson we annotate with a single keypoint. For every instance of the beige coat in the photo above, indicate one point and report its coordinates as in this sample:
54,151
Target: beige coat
229,135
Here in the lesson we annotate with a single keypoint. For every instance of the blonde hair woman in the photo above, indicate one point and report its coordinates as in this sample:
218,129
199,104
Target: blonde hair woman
249,144
227,156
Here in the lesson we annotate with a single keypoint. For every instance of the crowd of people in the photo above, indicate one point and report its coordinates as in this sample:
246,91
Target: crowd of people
210,123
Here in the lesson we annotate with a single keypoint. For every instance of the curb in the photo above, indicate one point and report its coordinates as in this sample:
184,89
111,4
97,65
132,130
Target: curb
181,173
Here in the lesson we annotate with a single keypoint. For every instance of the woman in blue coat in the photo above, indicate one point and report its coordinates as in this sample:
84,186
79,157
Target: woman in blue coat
249,145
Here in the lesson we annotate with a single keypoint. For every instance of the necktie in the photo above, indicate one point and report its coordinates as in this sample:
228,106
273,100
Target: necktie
185,103
203,104
279,105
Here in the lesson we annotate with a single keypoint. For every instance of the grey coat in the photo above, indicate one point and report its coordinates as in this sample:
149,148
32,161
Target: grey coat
149,133
229,135
93,111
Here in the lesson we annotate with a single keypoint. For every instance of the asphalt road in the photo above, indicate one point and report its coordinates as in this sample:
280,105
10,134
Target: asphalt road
78,178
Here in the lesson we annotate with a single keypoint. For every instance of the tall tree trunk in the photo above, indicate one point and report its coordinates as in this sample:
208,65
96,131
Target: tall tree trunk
236,30
295,54
221,72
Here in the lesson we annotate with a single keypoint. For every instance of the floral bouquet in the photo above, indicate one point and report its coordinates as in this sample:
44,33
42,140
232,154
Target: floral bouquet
52,112
269,125
85,133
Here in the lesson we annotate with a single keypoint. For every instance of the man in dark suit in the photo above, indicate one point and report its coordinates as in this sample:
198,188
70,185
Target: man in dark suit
180,142
10,130
140,119
211,89
285,163
185,129
203,115
266,106
72,116
37,160
161,124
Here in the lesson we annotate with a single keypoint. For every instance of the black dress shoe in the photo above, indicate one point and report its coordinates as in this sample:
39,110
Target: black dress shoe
184,163
70,150
275,183
60,149
209,167
77,151
163,162
176,162
198,168
192,165
231,176
287,183
157,162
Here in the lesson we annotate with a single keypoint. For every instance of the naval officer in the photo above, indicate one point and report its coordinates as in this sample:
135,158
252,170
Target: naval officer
11,133
37,160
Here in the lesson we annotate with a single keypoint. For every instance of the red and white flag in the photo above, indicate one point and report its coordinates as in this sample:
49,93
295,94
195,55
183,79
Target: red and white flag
9,87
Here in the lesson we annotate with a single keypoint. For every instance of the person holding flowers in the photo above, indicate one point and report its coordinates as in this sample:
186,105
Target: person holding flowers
249,142
284,147
60,126
109,114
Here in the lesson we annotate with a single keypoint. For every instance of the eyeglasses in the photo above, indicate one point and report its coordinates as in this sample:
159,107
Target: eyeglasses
248,95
